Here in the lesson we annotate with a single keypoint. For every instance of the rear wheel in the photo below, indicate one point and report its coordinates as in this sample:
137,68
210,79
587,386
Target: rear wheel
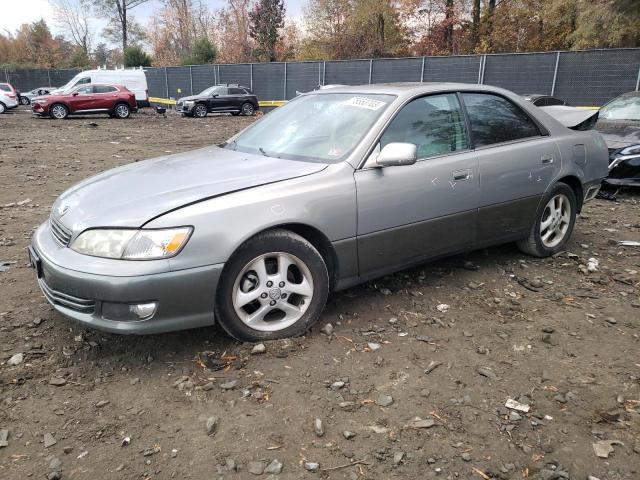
247,109
122,110
3,108
274,286
200,110
554,222
25,101
59,111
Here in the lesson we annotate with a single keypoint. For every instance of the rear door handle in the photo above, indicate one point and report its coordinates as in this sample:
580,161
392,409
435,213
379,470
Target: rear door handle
461,175
546,159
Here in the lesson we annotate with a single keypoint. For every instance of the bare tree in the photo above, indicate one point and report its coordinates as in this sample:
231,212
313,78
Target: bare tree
117,12
73,17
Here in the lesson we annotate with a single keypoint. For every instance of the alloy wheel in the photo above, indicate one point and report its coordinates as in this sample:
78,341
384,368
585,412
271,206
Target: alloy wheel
272,292
555,221
122,111
200,110
24,101
59,111
2,108
247,109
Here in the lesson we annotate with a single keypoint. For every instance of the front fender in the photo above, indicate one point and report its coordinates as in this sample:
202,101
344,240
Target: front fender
325,201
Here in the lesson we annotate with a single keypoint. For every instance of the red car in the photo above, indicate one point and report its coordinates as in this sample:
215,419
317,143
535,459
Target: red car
115,100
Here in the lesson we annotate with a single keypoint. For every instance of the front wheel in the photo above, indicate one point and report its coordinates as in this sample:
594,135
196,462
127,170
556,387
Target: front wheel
200,110
554,222
59,111
274,286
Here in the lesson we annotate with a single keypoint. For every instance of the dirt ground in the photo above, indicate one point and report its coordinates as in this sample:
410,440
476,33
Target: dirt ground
546,333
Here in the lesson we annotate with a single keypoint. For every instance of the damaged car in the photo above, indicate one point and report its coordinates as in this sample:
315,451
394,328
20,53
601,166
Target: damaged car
619,124
335,188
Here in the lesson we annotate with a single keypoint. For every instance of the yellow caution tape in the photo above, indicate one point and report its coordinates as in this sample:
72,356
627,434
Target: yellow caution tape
262,103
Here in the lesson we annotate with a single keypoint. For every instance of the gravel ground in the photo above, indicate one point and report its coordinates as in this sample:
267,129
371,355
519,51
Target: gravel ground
404,377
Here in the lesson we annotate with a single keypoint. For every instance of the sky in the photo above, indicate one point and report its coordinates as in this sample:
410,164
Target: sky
14,13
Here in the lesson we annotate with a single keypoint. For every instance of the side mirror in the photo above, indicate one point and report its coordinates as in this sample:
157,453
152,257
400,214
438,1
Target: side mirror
214,95
74,94
397,154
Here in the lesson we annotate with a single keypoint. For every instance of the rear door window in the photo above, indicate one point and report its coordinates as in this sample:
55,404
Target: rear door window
435,124
104,89
494,119
236,91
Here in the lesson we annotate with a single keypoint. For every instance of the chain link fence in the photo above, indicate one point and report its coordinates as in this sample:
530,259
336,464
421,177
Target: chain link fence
590,77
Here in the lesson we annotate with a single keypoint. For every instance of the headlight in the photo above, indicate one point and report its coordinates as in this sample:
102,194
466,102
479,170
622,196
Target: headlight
632,150
188,103
130,244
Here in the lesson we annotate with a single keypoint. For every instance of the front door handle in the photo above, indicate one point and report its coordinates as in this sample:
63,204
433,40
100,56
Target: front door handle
461,175
546,159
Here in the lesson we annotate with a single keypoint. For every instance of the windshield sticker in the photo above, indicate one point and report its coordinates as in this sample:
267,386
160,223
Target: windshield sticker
363,102
334,152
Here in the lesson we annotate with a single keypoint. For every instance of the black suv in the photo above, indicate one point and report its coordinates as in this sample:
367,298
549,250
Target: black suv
233,99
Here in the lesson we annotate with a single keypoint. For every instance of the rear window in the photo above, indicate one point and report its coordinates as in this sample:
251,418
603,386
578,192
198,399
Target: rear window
495,119
5,88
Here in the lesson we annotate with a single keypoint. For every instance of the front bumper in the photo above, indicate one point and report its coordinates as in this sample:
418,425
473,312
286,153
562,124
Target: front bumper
185,297
624,171
184,109
39,109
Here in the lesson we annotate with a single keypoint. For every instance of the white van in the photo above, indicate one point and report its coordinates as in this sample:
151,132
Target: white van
134,79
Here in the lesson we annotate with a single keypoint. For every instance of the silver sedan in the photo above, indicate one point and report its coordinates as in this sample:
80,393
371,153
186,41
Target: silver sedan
337,187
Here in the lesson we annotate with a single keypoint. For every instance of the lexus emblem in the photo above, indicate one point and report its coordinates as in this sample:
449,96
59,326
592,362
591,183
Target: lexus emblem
63,210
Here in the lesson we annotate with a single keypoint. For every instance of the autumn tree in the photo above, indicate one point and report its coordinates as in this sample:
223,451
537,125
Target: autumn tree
266,18
232,32
121,26
73,18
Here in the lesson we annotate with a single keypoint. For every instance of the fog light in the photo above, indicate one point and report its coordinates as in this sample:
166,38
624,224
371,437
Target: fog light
126,312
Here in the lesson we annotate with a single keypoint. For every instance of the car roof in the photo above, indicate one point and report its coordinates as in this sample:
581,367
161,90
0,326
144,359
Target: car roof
407,88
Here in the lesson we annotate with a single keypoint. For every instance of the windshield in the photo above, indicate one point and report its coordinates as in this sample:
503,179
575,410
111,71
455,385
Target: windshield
321,127
75,81
212,90
625,107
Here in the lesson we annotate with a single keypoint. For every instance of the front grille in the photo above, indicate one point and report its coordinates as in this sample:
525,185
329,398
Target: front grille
60,233
83,305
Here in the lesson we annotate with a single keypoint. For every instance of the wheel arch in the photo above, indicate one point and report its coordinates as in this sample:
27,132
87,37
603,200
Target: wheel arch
576,185
316,238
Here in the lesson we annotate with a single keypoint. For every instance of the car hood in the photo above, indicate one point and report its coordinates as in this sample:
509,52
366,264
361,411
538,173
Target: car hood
619,134
190,97
132,195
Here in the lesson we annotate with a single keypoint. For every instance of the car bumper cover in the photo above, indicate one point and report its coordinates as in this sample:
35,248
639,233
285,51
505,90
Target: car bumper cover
184,298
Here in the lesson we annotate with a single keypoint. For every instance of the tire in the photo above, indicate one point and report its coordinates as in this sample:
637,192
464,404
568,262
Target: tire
249,304
59,111
200,110
247,109
121,110
555,220
3,108
25,101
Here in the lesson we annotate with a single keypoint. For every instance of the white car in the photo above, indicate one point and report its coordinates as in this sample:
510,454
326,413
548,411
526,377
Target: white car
7,101
134,80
